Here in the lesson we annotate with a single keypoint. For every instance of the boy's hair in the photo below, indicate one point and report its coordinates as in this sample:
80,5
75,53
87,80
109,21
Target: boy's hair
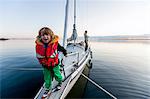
47,31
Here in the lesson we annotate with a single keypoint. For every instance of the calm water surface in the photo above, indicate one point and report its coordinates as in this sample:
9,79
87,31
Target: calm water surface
122,68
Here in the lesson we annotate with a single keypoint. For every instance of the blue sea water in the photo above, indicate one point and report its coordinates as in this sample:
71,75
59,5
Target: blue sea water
122,68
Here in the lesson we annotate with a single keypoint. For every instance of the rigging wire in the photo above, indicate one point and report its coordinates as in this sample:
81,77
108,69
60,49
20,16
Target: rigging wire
98,86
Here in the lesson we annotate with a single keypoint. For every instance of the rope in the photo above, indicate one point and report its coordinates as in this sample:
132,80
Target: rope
99,86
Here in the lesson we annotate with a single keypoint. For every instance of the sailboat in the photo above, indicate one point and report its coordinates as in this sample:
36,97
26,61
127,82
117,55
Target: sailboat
73,64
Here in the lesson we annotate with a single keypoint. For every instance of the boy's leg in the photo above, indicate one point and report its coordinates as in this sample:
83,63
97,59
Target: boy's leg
57,73
47,78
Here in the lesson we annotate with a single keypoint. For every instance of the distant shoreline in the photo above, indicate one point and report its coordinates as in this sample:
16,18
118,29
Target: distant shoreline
91,38
117,37
4,39
122,39
16,39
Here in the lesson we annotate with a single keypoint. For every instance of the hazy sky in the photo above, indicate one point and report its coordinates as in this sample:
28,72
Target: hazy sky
24,18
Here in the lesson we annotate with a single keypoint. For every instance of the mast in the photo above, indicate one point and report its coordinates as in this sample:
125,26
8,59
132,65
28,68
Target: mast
74,14
65,23
74,34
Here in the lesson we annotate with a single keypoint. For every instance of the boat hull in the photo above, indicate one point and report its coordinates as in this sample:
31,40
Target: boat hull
74,77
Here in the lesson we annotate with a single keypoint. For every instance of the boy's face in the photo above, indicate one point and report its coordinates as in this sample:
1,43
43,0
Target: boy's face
46,38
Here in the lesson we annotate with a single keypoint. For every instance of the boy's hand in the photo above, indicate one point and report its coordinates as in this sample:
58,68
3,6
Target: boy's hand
65,53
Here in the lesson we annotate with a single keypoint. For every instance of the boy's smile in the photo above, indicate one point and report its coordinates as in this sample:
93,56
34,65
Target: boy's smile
46,38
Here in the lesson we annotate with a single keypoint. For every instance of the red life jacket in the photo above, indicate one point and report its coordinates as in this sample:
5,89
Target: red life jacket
47,56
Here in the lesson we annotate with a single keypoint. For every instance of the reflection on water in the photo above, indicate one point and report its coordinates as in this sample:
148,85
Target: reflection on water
16,83
121,68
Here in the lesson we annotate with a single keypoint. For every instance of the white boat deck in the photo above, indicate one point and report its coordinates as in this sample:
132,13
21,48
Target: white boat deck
76,54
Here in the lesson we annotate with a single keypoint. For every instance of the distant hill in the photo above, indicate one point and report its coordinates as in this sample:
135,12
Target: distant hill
16,38
21,38
4,39
117,37
121,37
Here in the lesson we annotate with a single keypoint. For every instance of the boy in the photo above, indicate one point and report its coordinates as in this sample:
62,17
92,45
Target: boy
47,48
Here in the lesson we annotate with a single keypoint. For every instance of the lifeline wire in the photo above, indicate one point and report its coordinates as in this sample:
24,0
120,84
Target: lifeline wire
99,86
